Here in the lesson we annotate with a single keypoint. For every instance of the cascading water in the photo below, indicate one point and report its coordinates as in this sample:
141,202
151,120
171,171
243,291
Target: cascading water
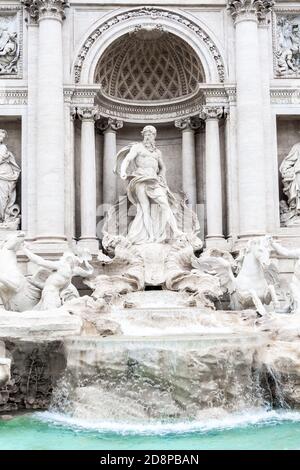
160,379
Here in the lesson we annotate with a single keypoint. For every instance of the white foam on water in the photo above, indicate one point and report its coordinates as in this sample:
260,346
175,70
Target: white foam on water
252,417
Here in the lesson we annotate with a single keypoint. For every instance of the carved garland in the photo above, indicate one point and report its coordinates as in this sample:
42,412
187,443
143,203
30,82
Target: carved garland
154,14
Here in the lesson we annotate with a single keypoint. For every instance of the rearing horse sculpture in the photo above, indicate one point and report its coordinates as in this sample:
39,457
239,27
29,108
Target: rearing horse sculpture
254,286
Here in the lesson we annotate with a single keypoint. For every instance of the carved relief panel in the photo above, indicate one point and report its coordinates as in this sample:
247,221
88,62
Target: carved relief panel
286,34
10,42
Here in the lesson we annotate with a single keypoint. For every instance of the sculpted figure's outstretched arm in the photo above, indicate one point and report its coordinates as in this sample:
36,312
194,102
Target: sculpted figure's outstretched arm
281,250
53,265
132,154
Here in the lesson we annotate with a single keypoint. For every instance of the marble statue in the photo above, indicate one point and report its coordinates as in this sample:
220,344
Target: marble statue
58,287
290,172
185,274
126,272
142,166
294,285
9,52
9,175
254,285
17,291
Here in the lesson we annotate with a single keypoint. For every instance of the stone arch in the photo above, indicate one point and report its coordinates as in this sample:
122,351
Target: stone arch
192,31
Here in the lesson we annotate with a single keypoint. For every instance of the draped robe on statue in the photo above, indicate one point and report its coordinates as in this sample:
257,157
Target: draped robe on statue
155,188
290,171
9,174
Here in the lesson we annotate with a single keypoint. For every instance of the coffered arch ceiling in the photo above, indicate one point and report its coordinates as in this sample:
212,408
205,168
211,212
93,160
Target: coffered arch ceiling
149,66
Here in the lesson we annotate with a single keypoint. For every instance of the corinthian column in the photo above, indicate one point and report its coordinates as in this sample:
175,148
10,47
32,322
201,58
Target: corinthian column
250,125
110,128
188,127
213,177
88,204
50,217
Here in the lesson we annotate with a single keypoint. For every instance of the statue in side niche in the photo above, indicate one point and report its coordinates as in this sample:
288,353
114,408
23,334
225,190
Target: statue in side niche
9,175
290,172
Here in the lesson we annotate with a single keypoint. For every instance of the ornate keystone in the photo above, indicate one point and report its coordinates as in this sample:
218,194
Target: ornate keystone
38,9
249,9
211,112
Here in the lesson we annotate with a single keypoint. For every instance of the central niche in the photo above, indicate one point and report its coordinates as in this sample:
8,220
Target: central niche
149,65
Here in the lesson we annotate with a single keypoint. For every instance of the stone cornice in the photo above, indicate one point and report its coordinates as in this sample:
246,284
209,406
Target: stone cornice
285,96
13,96
40,9
249,9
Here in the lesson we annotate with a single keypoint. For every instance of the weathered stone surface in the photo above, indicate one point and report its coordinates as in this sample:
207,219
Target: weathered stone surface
35,370
36,325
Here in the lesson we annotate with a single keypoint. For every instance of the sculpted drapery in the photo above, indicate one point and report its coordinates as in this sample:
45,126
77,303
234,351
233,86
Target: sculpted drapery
9,175
290,172
142,166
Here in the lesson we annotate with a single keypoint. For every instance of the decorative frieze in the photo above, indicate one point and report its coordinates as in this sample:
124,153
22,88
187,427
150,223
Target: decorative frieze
153,13
286,37
11,42
13,97
249,9
285,96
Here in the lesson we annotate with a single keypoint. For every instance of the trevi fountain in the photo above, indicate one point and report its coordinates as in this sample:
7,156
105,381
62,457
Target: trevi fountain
149,224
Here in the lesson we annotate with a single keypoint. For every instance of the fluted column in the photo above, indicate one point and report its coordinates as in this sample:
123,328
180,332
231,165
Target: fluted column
250,138
188,127
110,128
50,214
213,175
30,170
88,203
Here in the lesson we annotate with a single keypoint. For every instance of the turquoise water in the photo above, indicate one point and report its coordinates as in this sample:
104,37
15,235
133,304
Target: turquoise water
252,430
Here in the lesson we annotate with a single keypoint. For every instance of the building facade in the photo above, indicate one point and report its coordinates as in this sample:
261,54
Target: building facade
220,79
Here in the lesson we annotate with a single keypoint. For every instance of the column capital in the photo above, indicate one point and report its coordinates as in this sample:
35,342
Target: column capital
110,124
210,112
87,113
188,124
249,10
41,9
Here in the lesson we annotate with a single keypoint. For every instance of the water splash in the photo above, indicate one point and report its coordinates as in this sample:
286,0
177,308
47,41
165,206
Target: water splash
252,417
